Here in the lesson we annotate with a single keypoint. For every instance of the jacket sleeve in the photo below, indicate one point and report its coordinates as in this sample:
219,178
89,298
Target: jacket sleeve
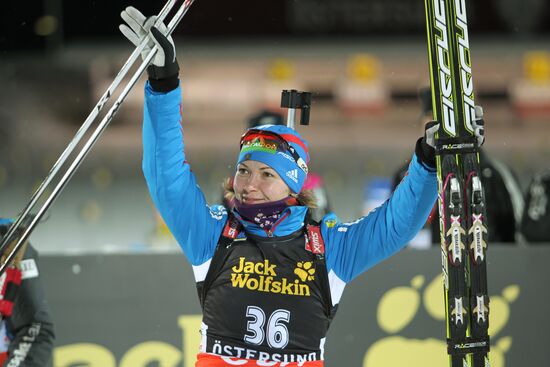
171,183
30,326
354,247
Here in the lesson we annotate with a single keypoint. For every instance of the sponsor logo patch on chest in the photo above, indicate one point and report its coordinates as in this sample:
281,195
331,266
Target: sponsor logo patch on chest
262,277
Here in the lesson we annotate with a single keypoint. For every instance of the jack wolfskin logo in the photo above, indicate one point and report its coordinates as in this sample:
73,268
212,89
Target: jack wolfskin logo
262,277
304,270
330,223
393,317
293,175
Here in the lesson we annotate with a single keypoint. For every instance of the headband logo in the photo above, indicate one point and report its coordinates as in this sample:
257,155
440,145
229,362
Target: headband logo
293,175
260,144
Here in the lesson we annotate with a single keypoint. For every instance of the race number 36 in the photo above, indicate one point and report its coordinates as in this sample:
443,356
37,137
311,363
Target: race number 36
276,329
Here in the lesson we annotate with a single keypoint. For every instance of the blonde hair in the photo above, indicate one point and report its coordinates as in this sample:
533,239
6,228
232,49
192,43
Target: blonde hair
305,197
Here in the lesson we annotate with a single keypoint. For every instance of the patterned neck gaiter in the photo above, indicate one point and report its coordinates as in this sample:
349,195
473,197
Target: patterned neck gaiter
264,214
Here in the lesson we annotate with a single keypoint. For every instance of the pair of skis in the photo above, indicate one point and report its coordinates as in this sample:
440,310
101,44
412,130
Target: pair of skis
461,197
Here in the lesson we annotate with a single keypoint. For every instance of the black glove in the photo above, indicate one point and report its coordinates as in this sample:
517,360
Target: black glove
425,146
164,68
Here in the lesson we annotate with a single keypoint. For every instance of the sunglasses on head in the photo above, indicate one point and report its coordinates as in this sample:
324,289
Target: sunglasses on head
272,141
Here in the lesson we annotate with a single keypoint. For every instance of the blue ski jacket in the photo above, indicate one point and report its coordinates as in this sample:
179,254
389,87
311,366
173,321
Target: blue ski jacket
351,248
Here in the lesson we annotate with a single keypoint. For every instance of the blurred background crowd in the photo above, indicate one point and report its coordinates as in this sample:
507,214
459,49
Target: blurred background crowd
364,61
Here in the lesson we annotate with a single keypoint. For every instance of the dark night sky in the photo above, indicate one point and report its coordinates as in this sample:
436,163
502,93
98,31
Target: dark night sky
99,19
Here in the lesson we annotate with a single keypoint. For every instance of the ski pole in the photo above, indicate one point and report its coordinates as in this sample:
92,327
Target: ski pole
90,142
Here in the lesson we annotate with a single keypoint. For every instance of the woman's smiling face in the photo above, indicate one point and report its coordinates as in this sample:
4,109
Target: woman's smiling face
257,183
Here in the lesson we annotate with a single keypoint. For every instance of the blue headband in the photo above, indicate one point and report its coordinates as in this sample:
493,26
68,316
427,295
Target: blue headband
281,148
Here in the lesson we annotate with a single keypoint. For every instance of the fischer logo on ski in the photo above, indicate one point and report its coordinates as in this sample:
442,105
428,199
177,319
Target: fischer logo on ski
443,58
466,69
